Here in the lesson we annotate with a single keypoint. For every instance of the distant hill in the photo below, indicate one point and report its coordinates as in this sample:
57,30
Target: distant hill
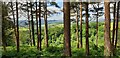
23,23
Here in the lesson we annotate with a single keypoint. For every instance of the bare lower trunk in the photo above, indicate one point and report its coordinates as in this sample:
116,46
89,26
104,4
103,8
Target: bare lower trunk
4,13
77,35
107,41
17,31
29,24
117,20
80,24
13,19
37,27
97,27
113,33
39,40
46,26
67,35
3,39
32,26
87,31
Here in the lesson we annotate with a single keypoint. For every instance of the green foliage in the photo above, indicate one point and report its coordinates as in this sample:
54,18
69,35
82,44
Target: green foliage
24,36
25,51
7,27
7,32
56,42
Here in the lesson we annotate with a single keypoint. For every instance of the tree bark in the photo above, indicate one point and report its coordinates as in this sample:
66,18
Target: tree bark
67,36
117,20
17,31
97,27
33,36
3,36
39,41
81,25
37,27
3,40
13,19
3,29
113,33
29,24
107,41
46,25
77,35
87,30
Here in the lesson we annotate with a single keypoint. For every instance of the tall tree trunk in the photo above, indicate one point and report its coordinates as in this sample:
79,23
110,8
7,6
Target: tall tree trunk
87,30
97,27
81,25
77,35
107,41
29,23
67,35
113,33
46,25
117,20
110,35
13,19
32,25
4,19
3,29
37,27
39,41
17,31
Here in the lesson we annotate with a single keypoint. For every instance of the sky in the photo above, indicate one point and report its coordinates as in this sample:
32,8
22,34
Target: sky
53,17
60,16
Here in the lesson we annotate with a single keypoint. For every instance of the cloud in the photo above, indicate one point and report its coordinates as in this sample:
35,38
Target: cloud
53,8
56,17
